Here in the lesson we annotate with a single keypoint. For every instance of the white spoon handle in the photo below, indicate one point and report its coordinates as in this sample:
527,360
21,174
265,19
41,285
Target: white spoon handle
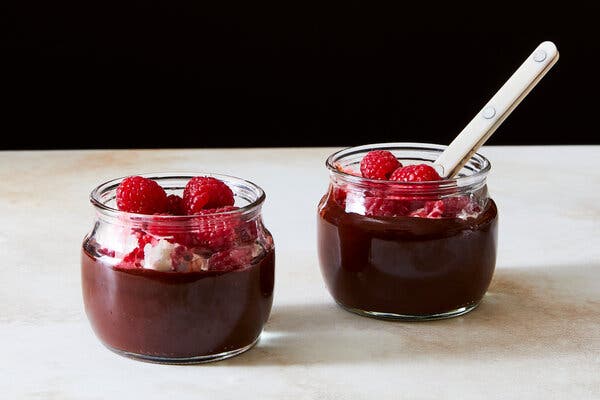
480,128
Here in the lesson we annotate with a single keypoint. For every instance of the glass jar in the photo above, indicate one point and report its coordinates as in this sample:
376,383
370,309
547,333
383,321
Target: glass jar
406,250
178,288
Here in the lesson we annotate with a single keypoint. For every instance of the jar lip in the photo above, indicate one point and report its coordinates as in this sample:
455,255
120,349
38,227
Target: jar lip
414,146
112,184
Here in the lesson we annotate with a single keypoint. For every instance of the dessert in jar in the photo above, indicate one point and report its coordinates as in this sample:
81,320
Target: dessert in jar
178,268
397,241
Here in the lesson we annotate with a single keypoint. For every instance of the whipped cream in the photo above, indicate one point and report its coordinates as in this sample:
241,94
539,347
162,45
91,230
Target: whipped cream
158,257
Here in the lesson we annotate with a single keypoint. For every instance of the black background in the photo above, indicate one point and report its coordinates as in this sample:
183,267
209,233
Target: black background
153,74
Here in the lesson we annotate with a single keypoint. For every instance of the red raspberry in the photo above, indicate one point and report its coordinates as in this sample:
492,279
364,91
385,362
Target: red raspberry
378,164
134,258
141,195
104,251
457,205
415,173
246,232
432,209
175,205
202,192
172,230
216,232
209,231
385,207
184,259
235,258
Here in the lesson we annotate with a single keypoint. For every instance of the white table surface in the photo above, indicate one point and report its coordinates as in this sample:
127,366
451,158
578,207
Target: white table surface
535,335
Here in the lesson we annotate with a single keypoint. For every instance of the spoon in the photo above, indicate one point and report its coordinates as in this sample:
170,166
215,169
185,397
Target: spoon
489,118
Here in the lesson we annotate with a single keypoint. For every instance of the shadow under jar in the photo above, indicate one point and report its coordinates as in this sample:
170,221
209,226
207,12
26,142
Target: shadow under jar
165,288
406,250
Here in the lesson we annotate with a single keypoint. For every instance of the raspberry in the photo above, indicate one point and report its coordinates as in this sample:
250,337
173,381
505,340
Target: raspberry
175,205
104,251
378,164
460,207
246,232
235,258
202,192
385,207
184,259
415,173
216,231
432,209
141,195
134,258
209,231
455,205
172,230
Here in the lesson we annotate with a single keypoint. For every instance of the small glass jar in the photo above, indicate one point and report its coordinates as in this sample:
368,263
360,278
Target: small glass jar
167,288
406,250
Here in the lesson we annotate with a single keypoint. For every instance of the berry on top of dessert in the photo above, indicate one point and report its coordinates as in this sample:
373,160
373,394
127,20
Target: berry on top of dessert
212,237
205,192
409,201
415,173
379,164
141,195
383,165
137,194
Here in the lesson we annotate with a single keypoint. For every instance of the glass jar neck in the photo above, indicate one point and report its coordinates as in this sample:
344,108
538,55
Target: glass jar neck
344,167
248,200
174,222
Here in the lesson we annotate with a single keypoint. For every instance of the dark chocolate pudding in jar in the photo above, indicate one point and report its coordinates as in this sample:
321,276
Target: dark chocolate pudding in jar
396,241
178,269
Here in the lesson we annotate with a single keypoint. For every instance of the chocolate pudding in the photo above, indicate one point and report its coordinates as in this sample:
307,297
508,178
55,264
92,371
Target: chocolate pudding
159,315
405,266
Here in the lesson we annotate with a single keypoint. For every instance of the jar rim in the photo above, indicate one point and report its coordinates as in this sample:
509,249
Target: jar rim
233,182
414,146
